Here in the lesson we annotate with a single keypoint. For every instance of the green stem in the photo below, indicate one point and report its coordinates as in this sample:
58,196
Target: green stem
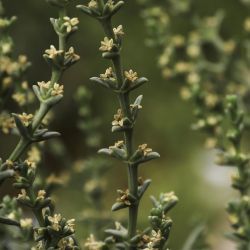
107,27
100,5
37,212
55,76
128,136
62,13
24,144
18,151
62,44
52,242
118,69
132,170
133,209
40,218
39,116
44,108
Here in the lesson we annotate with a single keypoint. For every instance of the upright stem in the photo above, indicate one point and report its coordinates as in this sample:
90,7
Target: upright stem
133,209
100,4
62,40
124,102
37,212
50,239
128,137
18,151
39,116
56,74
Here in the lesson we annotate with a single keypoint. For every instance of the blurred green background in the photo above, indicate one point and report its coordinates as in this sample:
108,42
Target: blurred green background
185,167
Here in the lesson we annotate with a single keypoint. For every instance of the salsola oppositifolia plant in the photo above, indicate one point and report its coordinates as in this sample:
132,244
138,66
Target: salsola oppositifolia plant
122,83
55,232
52,231
211,85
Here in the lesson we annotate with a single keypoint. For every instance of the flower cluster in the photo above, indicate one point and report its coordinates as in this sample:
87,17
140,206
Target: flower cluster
60,59
70,23
185,57
26,119
131,75
65,26
213,67
51,230
58,230
108,75
207,81
55,228
160,223
48,90
239,218
98,10
56,224
231,155
6,122
121,83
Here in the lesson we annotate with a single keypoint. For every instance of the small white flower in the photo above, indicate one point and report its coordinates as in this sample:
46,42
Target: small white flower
108,75
119,31
52,52
26,119
41,195
69,23
118,144
71,224
70,54
23,195
93,4
26,223
118,118
167,197
57,89
106,44
55,221
144,148
110,3
44,85
131,75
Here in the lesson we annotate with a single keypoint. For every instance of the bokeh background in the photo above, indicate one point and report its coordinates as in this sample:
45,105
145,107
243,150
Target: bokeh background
185,166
